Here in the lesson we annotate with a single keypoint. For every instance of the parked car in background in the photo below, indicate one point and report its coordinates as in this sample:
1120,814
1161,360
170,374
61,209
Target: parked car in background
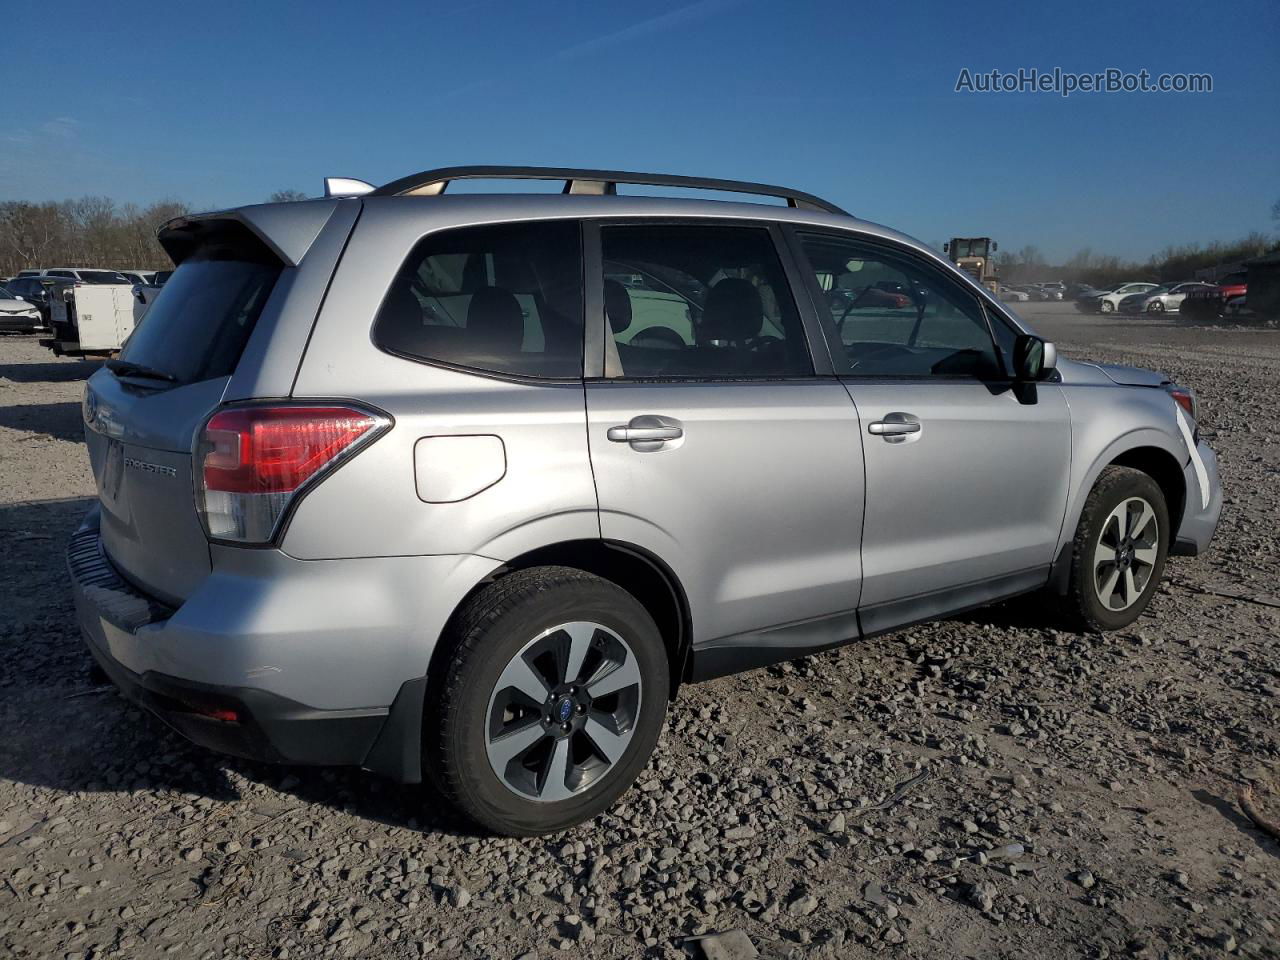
1211,301
17,314
88,275
137,277
1012,294
1109,301
1166,298
35,290
525,546
1238,308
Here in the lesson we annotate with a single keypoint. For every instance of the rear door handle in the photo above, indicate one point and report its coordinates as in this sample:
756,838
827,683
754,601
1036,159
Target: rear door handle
647,432
886,428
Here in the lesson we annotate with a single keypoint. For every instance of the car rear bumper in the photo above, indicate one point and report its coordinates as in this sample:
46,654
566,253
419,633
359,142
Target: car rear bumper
310,662
1203,506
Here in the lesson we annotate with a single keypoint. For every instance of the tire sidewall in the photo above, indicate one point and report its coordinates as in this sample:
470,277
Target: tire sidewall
1111,492
482,792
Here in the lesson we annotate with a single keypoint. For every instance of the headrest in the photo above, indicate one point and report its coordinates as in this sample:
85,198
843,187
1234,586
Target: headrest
495,322
733,311
617,305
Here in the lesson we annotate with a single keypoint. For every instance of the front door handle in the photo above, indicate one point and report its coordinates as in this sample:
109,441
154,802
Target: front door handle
885,428
647,432
896,427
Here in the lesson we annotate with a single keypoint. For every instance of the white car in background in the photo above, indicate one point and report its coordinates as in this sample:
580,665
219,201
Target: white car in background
17,315
1110,302
1170,300
1010,295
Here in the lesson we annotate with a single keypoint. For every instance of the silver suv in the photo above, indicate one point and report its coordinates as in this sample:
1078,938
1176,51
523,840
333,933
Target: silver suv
467,485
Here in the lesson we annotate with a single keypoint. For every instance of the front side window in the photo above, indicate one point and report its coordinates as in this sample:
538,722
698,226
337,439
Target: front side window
700,302
895,317
505,299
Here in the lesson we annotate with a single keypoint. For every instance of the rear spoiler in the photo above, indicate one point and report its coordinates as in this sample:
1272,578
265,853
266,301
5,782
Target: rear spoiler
287,229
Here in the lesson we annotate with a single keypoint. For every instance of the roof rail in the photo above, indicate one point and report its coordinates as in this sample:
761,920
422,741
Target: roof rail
430,183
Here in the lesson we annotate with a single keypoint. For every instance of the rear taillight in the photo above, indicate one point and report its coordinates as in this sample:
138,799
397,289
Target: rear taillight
252,462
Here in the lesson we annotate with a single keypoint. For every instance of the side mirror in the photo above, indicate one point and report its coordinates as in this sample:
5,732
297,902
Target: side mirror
1033,358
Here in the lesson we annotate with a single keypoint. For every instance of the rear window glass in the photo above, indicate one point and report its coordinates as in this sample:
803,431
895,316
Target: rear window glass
199,324
100,277
504,298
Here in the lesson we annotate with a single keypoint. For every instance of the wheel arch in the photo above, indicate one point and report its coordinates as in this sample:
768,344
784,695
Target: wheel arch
1148,450
636,570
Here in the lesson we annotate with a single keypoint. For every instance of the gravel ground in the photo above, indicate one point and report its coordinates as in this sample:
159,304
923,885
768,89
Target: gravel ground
861,802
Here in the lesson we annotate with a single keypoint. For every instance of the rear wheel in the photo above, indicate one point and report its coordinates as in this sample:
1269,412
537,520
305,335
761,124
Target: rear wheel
1155,306
1106,306
1119,550
551,702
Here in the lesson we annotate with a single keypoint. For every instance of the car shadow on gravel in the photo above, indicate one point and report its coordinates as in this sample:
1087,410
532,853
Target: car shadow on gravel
57,371
68,731
62,421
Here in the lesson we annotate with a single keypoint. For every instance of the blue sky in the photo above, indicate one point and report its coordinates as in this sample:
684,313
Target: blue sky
223,103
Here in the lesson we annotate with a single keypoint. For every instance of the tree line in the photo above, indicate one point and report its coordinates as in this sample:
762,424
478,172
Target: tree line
98,232
90,232
1170,265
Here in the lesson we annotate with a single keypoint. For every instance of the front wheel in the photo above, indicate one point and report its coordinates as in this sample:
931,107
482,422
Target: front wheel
552,699
1106,306
1119,550
1155,306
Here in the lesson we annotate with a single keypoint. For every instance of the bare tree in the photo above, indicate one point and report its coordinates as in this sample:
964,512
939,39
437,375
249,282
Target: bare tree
91,231
287,196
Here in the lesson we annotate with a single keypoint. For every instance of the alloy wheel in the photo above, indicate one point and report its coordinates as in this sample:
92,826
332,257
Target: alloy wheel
1124,557
563,711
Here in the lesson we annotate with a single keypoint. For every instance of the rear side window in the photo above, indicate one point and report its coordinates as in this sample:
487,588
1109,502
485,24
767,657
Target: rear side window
198,327
504,298
701,302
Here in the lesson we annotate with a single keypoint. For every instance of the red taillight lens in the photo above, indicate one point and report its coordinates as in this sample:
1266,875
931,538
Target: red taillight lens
252,460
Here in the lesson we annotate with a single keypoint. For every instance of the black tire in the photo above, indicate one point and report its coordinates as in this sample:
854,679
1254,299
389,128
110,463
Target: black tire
487,635
1085,607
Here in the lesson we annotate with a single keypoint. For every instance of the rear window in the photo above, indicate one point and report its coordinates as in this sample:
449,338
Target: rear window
504,298
199,324
100,277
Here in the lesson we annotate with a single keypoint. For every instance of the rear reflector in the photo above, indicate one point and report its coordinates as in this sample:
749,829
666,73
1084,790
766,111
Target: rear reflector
252,461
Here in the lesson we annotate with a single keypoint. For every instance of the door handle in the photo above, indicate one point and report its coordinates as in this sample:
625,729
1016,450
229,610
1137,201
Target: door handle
888,428
647,433
634,434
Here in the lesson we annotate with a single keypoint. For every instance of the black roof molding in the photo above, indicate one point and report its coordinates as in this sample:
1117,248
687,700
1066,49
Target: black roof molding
430,183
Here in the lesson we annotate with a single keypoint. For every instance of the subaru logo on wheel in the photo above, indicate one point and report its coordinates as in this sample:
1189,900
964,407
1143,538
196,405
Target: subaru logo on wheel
564,709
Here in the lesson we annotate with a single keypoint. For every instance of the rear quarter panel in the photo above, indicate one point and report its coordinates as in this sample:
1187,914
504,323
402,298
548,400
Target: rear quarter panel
371,506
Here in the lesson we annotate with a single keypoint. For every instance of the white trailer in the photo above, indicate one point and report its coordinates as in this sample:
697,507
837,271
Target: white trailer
90,318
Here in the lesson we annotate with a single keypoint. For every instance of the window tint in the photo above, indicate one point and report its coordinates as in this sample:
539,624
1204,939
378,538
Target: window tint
502,298
100,277
895,317
694,301
61,273
198,328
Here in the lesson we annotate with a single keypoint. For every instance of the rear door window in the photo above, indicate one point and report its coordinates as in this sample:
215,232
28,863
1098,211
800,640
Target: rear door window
700,302
198,328
505,299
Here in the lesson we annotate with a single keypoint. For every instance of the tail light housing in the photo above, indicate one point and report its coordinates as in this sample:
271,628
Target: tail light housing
253,463
1184,397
